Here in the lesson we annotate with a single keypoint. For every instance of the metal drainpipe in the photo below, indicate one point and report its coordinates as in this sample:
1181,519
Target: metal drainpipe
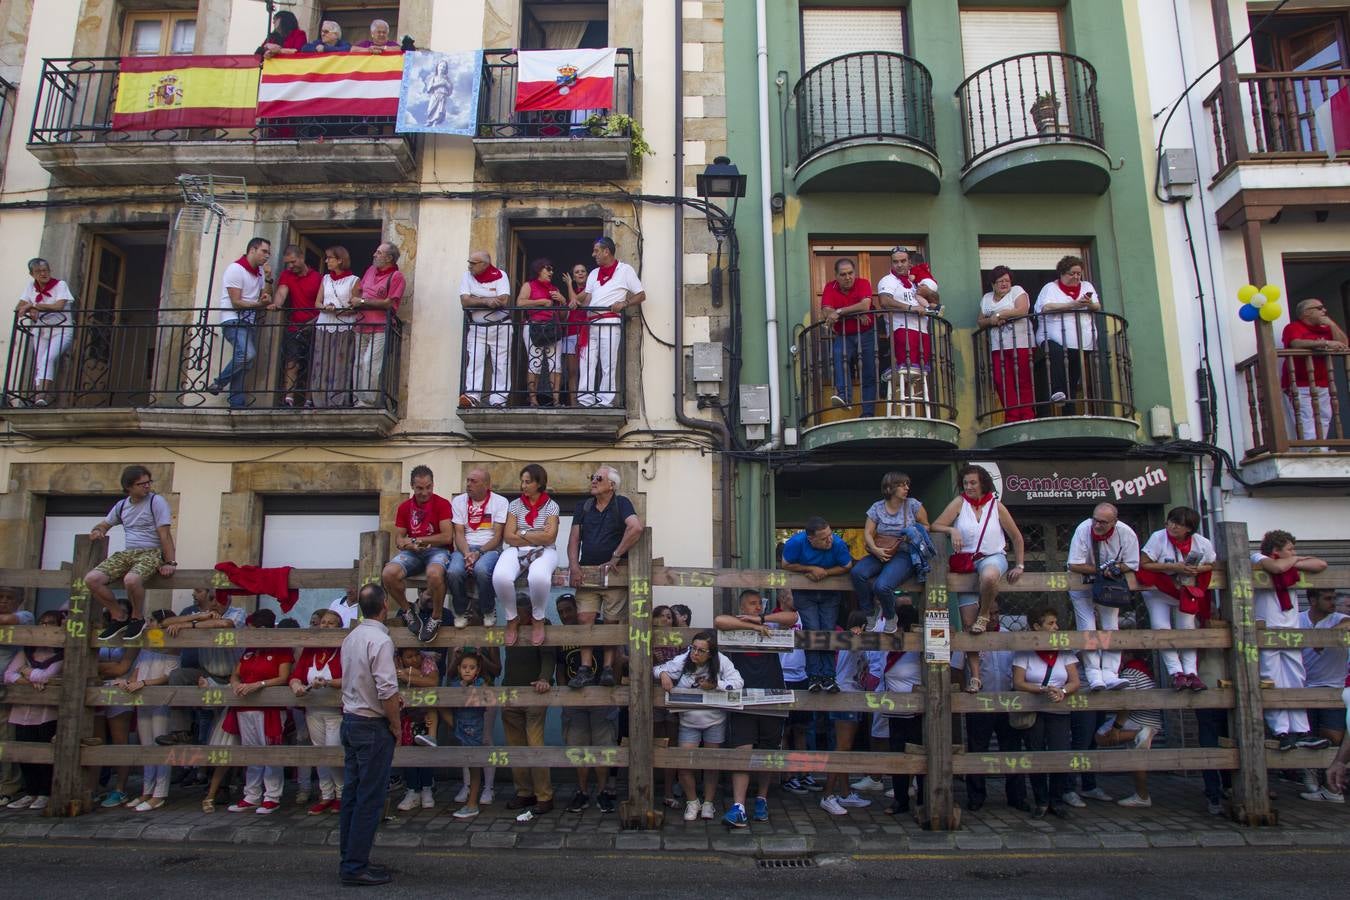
715,427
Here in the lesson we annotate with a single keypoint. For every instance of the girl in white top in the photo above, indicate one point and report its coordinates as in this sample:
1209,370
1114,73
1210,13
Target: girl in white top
152,668
1178,554
700,667
330,361
967,520
1054,674
531,530
46,302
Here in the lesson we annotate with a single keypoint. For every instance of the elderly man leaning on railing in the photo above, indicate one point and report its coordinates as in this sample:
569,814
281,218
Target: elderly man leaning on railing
1307,397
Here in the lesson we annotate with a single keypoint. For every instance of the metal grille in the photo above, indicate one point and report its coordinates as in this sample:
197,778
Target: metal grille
793,862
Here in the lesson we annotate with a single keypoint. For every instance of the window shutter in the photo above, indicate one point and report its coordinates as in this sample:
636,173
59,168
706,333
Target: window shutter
988,35
827,33
1039,257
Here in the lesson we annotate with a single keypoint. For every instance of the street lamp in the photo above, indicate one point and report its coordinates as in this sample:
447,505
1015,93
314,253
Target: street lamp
721,179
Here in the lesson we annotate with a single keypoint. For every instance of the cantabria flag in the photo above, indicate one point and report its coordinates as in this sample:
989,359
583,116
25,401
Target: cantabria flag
185,92
1333,123
330,84
565,79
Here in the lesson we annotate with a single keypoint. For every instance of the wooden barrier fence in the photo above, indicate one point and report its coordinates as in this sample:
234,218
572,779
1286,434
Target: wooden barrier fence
1236,634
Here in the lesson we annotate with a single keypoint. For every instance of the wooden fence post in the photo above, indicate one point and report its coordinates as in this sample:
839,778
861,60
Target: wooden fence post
374,554
1251,797
70,792
639,810
937,708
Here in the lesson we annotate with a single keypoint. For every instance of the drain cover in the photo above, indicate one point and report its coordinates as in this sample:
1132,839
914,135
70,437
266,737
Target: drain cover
788,862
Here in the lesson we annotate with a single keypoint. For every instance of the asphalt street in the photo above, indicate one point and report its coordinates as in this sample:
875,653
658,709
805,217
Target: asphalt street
47,868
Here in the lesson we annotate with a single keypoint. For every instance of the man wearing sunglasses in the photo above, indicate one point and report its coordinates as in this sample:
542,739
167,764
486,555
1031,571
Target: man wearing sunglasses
1313,329
485,294
145,518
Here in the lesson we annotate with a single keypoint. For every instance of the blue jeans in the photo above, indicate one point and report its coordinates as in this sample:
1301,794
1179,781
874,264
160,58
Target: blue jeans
245,350
419,778
368,749
456,581
1083,734
861,347
888,577
820,612
1211,724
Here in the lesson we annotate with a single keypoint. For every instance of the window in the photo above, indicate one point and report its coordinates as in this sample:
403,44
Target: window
989,35
1033,265
873,261
1301,43
66,518
315,532
164,33
831,32
1001,99
355,19
563,25
359,238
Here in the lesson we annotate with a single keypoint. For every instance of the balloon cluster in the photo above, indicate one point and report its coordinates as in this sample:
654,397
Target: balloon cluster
1259,303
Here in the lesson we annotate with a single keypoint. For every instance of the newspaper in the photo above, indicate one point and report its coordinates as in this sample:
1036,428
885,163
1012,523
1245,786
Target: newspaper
730,699
778,640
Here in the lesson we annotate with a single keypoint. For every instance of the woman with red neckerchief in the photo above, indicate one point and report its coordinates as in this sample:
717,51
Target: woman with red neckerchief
531,530
1174,567
541,296
577,318
1066,331
46,302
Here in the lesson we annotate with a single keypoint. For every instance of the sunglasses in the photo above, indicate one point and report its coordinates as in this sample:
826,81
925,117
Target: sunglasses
145,483
597,478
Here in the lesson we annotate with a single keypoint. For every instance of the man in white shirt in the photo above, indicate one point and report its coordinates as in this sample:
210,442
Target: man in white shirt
485,294
244,295
347,607
912,299
1324,667
1100,544
478,519
612,286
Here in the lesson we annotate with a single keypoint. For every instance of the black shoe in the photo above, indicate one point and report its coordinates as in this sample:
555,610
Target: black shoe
213,388
1039,812
1307,741
414,620
607,677
377,869
829,685
606,801
583,678
1288,741
814,684
135,628
1058,812
520,801
1023,805
428,630
974,804
367,878
113,629
580,800
173,738
897,809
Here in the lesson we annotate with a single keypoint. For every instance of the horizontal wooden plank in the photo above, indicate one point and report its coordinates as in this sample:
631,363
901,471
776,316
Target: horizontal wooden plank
1141,639
1154,760
26,752
1214,698
1302,698
1300,759
432,757
484,697
788,761
36,578
883,702
1298,638
32,635
554,636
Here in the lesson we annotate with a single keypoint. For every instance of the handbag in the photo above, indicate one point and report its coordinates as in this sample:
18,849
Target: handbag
1022,719
964,563
544,334
1108,590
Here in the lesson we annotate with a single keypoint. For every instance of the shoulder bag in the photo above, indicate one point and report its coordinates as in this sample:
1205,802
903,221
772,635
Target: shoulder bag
1108,590
1023,719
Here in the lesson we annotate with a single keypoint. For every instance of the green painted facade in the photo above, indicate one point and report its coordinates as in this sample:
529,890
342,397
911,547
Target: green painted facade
1113,225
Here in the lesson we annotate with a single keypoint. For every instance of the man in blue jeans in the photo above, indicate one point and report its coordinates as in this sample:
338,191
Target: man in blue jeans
370,731
245,294
478,517
843,306
817,552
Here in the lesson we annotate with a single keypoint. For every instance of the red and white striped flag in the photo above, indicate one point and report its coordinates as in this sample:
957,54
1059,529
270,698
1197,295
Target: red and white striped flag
330,84
565,79
1333,123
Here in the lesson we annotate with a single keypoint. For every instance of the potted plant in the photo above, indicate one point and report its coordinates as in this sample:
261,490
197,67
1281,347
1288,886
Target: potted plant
620,125
1045,112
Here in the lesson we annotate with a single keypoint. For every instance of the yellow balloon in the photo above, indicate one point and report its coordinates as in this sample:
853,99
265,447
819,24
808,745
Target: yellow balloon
1247,292
1271,311
1271,293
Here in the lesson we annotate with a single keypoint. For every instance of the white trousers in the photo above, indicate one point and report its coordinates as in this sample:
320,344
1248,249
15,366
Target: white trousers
540,576
601,353
488,345
367,366
1306,426
151,722
49,345
1098,665
325,726
260,783
1283,667
1161,610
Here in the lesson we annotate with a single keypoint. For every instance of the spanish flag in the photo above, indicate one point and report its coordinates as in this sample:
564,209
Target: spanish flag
330,84
185,92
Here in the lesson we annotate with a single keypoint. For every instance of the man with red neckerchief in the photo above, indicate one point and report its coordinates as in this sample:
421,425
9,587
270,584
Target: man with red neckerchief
47,303
612,286
244,298
298,289
423,536
854,339
1313,329
485,294
377,295
1100,543
478,517
912,293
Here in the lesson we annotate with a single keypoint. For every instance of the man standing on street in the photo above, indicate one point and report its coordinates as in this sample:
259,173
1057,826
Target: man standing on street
370,730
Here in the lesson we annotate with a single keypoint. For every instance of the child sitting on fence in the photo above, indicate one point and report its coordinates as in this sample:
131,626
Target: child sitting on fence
469,730
417,670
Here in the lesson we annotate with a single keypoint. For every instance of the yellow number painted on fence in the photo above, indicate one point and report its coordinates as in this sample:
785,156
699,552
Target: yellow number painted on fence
499,758
225,638
877,701
641,637
938,594
1010,703
1077,701
213,697
580,756
1080,763
75,627
768,761
420,697
494,637
675,639
1241,589
218,758
1059,639
638,607
639,587
1057,581
7,634
220,580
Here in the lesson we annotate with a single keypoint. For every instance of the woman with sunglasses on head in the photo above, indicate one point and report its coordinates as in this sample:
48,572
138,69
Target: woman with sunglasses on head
544,330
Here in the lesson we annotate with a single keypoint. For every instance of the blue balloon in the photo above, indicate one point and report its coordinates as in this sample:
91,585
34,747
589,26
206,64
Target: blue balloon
1249,313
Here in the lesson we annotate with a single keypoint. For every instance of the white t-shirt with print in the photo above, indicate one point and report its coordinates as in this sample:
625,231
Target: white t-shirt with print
908,298
495,514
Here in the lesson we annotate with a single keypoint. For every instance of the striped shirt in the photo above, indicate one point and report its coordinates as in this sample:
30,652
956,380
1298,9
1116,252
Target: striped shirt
518,510
1141,681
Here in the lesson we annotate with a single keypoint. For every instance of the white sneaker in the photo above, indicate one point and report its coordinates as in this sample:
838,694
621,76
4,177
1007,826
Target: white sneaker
890,792
831,805
40,803
428,800
867,783
1144,739
462,622
1072,799
1058,397
463,795
709,811
1096,794
409,801
691,810
1321,795
490,619
486,798
1116,684
854,801
1135,802
23,802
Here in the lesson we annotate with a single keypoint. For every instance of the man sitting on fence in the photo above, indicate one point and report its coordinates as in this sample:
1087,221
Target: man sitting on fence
145,518
1325,667
817,552
209,610
1102,549
423,537
478,517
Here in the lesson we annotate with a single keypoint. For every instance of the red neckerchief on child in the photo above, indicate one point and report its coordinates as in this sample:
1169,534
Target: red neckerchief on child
984,498
605,273
532,509
1049,657
1283,581
1102,538
489,275
44,293
476,514
1071,291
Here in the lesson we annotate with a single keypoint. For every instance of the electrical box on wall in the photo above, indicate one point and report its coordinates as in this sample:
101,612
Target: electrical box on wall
708,362
755,412
1178,172
1160,423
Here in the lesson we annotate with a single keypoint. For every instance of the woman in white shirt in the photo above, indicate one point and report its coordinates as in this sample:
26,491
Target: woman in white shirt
318,668
531,530
1054,674
1066,329
1177,562
151,669
330,371
1006,312
46,303
700,667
